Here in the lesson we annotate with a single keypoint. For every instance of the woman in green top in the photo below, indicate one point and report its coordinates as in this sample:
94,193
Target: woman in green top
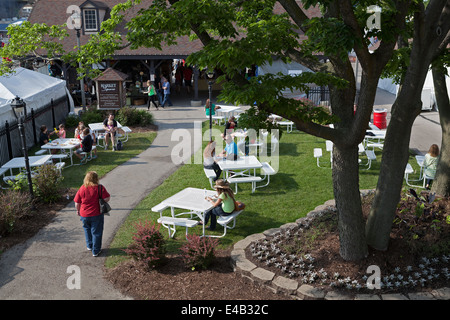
430,164
223,205
151,95
213,108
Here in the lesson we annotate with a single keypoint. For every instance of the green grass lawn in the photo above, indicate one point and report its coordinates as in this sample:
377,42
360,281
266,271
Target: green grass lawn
297,188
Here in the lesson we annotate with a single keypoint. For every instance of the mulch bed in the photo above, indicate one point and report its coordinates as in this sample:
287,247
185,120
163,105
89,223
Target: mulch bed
416,238
174,281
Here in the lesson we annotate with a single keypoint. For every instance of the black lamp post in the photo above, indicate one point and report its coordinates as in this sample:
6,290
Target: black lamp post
20,111
210,75
76,22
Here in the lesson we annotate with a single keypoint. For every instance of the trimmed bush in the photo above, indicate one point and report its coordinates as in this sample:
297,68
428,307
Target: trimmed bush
198,252
133,117
148,245
72,121
92,116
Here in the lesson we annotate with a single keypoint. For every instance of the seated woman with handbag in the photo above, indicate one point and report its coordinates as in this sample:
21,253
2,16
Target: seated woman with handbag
224,204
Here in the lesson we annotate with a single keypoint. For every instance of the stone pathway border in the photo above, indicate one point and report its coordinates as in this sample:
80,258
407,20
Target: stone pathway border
299,291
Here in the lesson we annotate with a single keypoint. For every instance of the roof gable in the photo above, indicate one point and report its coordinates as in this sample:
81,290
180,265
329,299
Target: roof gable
95,4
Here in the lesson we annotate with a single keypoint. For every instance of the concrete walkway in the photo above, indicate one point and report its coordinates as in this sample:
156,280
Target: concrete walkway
38,268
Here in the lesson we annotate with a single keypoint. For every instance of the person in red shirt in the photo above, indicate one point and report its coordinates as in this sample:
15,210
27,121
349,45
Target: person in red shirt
88,208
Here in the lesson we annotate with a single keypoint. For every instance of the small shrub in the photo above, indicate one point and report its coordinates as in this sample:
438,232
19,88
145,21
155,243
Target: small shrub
72,121
14,205
198,252
134,117
20,183
92,116
47,183
148,245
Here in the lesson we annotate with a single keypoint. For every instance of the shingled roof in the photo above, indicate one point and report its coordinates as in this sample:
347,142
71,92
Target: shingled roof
53,12
111,74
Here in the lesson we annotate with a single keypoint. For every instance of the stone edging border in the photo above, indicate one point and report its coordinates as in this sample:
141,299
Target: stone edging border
296,290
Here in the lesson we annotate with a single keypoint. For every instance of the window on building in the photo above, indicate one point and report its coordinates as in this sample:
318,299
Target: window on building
90,20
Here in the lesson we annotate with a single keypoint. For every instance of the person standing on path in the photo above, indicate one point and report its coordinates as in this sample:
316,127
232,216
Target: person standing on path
166,90
151,95
88,208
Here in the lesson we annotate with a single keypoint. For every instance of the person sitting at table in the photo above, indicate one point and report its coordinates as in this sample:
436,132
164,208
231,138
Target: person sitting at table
224,205
208,159
78,129
44,136
85,146
231,150
210,106
229,126
94,139
79,132
61,132
110,126
430,165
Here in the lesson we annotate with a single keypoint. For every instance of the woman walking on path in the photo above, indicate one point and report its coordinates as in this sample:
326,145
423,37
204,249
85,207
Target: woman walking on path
152,97
88,208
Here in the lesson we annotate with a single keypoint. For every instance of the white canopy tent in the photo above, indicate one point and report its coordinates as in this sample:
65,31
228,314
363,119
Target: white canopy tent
35,88
428,95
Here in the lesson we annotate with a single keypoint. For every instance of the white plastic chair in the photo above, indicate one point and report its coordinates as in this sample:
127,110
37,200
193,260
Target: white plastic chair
318,155
329,148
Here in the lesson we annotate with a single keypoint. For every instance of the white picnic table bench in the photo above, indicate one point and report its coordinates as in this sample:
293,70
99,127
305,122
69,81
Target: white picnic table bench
193,200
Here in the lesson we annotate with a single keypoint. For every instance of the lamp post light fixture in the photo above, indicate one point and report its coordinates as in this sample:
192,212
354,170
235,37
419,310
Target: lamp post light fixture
210,75
19,109
77,23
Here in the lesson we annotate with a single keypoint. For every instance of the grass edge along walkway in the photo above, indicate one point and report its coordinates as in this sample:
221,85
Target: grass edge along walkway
297,188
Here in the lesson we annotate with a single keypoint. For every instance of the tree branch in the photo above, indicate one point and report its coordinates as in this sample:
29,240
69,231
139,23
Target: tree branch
295,12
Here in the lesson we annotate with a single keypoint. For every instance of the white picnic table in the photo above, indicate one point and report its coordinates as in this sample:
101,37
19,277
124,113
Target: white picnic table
35,161
98,129
19,163
375,139
64,145
279,120
228,111
243,163
241,170
191,199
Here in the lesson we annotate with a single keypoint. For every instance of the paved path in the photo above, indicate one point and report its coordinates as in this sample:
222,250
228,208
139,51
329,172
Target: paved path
37,269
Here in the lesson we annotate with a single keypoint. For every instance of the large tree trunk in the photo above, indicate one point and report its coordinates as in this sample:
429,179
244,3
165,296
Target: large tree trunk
441,183
349,133
431,26
405,109
352,240
394,159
